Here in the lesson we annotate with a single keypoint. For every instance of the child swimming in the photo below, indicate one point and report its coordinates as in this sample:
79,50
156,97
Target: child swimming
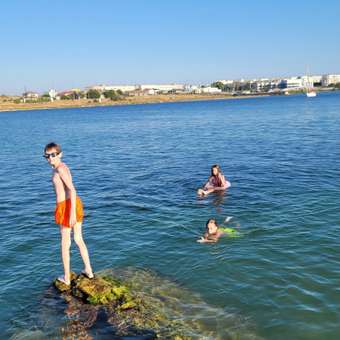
214,232
216,182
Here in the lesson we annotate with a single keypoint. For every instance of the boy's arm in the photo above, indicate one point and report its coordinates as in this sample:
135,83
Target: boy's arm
66,177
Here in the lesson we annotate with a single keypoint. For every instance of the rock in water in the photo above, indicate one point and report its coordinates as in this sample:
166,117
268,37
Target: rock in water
130,302
99,290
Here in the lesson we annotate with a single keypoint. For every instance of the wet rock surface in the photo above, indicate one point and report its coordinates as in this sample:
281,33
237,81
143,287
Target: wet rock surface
132,303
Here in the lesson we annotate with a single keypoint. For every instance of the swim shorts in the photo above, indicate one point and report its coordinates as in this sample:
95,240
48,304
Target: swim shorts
63,209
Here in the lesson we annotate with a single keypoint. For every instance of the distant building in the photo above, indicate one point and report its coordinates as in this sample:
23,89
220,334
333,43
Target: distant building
53,94
191,89
30,95
329,79
264,84
162,87
211,90
291,83
70,94
145,92
123,88
315,79
225,82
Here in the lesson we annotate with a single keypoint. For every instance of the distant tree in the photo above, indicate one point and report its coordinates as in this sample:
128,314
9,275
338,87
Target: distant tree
109,94
337,85
218,84
43,99
45,95
112,94
120,92
93,94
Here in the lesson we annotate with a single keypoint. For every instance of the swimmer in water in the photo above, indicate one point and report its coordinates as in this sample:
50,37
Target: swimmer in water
216,182
213,232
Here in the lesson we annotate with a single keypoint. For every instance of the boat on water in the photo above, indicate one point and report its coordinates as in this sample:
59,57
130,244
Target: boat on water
310,93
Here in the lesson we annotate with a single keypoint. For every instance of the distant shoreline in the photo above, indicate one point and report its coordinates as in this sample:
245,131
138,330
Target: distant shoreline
151,99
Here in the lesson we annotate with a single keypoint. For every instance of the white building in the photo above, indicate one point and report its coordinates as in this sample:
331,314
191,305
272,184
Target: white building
30,95
315,79
264,84
295,83
307,81
53,94
162,87
225,82
211,90
123,88
329,79
192,89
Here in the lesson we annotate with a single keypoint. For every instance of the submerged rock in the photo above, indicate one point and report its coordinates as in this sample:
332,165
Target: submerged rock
137,303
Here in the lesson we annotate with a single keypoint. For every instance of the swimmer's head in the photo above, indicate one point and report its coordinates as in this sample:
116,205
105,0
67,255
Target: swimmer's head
215,170
211,226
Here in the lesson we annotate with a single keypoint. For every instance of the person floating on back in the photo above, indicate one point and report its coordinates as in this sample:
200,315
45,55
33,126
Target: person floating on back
216,182
68,213
213,232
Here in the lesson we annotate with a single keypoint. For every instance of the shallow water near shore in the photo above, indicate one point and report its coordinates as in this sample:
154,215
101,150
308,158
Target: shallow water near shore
136,169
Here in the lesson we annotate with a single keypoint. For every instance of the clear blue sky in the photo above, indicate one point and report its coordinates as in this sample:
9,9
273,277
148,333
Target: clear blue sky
64,44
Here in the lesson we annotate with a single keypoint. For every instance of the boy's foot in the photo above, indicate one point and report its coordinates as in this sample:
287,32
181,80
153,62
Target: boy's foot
62,279
88,275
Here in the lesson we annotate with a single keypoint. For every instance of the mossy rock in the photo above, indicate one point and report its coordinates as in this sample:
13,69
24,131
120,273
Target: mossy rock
98,291
62,287
129,302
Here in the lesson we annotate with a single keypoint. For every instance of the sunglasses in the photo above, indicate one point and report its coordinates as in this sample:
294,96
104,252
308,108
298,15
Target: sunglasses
51,155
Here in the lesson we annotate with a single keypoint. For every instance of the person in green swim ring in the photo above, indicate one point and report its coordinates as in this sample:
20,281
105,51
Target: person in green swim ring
213,232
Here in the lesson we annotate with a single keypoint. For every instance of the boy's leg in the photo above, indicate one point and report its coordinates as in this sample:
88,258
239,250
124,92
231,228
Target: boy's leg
65,250
78,239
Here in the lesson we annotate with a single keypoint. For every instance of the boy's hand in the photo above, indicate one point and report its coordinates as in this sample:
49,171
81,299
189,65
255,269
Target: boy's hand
201,240
73,220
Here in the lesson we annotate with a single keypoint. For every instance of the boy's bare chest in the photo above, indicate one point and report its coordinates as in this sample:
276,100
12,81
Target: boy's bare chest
57,182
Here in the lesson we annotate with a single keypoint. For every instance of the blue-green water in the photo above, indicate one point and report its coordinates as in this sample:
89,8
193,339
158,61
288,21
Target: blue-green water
137,168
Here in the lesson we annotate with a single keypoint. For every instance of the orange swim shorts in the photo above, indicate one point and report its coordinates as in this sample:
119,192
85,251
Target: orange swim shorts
63,209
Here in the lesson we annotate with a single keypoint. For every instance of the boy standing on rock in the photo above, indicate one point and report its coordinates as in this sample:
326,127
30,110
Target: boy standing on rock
68,212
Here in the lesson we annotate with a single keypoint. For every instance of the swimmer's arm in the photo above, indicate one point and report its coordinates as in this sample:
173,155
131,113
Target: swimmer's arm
66,177
206,184
206,239
225,185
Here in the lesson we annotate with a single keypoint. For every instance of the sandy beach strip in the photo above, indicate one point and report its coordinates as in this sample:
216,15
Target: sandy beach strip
9,105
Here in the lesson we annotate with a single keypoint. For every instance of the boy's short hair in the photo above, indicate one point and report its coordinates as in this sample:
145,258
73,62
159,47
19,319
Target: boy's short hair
53,145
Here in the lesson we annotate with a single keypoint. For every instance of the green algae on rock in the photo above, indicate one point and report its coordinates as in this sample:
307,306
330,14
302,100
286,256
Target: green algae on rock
97,291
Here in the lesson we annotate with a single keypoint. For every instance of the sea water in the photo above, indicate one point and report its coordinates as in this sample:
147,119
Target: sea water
137,169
